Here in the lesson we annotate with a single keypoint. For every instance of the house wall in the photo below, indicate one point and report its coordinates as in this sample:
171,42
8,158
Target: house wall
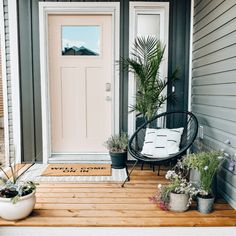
214,81
30,67
9,151
1,94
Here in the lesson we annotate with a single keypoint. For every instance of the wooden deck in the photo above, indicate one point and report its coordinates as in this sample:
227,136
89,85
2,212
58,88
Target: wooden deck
109,205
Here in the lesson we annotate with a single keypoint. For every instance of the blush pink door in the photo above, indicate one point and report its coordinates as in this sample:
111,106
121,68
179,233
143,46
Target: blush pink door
80,88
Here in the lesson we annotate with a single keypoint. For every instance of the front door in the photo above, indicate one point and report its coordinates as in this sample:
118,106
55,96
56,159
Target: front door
80,83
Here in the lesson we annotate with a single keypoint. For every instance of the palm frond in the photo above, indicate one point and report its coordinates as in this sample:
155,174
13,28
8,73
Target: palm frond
146,57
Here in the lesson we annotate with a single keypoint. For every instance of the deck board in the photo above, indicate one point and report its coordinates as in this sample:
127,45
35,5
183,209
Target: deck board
106,204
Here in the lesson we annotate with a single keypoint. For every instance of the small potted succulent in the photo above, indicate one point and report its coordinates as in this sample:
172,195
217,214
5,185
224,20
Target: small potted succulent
17,198
177,195
117,146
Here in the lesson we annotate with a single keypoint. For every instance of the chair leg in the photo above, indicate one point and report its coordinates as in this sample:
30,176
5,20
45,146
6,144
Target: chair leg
158,171
129,174
142,165
153,167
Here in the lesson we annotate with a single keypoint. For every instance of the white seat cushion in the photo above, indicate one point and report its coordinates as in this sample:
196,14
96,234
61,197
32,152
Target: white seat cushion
160,143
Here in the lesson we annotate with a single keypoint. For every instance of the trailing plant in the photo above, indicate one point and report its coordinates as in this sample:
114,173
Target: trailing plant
146,57
117,143
11,187
178,184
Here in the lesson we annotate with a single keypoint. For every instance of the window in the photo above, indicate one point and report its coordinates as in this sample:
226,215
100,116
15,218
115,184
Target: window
83,40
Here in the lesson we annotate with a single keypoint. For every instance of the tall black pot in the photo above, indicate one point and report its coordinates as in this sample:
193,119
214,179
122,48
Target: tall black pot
118,160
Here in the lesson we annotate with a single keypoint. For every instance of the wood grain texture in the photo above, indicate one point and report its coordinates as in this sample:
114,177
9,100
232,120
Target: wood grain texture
107,204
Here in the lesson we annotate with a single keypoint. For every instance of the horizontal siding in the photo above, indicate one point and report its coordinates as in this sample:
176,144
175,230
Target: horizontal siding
214,100
216,23
217,56
219,33
216,78
218,129
210,13
214,81
214,68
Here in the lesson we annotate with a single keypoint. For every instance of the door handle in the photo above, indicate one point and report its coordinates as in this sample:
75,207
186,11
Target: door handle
108,98
108,87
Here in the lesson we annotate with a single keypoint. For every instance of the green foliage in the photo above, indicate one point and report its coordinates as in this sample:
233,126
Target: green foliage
191,161
146,57
117,143
13,188
208,166
207,163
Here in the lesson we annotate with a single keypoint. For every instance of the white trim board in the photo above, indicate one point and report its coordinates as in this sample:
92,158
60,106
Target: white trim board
190,58
117,231
46,8
15,79
4,83
161,8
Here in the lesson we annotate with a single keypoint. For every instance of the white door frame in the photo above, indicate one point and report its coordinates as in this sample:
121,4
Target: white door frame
136,8
98,8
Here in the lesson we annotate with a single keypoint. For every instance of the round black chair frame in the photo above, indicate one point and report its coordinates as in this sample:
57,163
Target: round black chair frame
170,120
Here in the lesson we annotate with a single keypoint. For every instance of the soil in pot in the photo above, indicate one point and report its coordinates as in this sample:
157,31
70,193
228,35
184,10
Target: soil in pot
205,203
118,160
179,202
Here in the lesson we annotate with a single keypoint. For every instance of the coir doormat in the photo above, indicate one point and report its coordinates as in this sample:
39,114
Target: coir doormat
77,170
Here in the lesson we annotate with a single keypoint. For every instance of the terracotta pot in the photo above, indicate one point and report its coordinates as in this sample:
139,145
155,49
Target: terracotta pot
178,202
21,209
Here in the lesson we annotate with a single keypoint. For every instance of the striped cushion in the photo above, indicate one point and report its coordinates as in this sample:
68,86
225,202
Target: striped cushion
160,143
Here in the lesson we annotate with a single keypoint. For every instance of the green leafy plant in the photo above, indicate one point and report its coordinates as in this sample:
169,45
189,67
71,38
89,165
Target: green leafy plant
209,163
191,161
146,57
11,187
117,143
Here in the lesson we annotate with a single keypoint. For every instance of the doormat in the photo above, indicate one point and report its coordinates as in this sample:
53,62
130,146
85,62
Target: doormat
34,173
77,170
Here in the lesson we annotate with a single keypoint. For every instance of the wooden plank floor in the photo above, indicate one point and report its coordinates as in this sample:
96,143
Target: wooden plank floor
107,204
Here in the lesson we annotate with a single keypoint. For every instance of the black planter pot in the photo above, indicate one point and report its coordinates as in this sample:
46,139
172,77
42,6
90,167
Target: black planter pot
118,160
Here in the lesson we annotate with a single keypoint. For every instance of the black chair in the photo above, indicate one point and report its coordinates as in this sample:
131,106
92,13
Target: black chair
168,120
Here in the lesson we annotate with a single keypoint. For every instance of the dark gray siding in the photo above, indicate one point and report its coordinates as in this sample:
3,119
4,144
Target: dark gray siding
214,80
30,74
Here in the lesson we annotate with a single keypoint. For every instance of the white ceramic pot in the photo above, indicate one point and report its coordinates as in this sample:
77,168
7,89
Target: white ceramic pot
19,210
178,202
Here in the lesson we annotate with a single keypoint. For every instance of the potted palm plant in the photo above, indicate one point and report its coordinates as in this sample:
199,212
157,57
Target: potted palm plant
146,57
117,146
17,198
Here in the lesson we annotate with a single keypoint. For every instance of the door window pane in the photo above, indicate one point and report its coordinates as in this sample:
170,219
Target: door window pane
148,25
80,40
